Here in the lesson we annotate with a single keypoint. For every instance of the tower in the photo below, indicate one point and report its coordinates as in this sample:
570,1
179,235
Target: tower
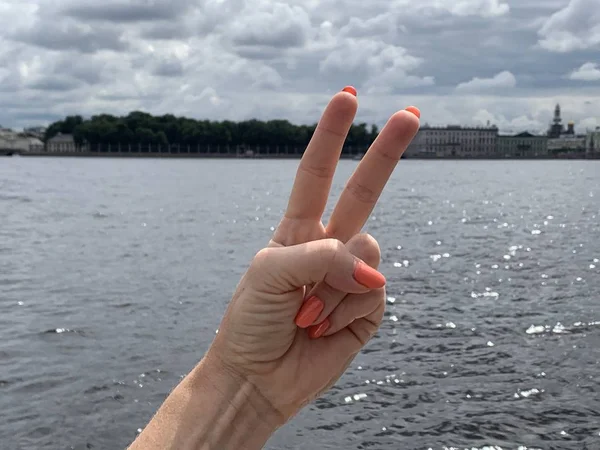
556,129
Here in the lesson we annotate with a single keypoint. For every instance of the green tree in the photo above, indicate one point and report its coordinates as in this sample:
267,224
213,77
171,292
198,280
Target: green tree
143,129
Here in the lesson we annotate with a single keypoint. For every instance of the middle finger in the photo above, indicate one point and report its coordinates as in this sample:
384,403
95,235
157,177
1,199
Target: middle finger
366,184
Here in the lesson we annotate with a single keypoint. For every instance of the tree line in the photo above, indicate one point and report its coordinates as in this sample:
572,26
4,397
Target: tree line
142,128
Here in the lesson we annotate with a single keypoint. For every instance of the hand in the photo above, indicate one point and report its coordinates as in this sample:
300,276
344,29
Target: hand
302,220
263,366
259,339
260,370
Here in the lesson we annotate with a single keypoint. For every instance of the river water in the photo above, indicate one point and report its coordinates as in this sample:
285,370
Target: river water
114,274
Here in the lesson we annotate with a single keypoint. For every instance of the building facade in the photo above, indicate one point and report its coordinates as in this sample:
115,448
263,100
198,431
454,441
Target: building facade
454,141
18,141
563,142
567,145
61,143
522,145
592,143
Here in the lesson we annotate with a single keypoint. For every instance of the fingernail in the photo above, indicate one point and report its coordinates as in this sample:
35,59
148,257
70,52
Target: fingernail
309,312
414,110
368,277
350,90
318,330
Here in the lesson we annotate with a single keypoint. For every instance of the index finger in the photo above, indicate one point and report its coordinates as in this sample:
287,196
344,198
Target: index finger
317,167
364,187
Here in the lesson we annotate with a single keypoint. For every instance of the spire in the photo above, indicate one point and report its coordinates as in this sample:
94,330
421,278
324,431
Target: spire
557,118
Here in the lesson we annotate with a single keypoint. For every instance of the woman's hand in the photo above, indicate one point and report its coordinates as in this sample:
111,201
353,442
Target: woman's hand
261,369
258,341
305,307
302,221
261,338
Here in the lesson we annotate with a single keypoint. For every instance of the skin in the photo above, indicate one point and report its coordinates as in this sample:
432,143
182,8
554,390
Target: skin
262,368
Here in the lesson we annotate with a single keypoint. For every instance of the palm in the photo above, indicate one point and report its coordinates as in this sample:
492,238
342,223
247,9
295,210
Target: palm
293,359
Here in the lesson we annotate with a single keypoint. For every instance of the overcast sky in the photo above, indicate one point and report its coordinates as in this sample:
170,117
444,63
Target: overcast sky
460,61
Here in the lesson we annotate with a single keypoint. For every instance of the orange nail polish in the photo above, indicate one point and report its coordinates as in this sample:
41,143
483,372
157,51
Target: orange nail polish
368,277
309,312
414,110
350,90
317,331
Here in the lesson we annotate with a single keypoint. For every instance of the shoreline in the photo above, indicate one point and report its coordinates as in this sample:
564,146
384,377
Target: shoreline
264,156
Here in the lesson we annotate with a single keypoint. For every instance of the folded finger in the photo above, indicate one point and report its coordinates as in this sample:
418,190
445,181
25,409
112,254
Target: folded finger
369,307
279,270
323,299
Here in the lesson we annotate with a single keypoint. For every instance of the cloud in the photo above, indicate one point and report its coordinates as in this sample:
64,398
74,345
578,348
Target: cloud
574,27
71,36
483,8
54,83
169,68
458,60
272,25
125,12
587,72
502,80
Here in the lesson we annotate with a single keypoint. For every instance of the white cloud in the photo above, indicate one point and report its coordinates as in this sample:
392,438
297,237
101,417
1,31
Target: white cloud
271,24
575,27
587,72
483,8
461,8
238,59
502,80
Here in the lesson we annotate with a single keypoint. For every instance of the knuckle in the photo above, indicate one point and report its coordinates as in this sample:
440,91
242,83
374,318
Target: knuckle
362,192
365,247
262,258
329,251
317,170
331,248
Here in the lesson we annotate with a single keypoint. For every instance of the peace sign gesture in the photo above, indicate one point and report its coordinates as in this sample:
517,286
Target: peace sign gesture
302,220
263,366
313,276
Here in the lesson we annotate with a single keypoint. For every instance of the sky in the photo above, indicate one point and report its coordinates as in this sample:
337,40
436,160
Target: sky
460,61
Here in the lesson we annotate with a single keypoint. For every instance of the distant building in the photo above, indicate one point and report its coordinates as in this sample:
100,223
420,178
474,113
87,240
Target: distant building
61,143
454,141
19,141
564,142
592,143
557,129
522,145
567,145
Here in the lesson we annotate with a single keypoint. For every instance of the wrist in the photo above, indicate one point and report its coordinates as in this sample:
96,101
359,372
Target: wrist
211,409
243,417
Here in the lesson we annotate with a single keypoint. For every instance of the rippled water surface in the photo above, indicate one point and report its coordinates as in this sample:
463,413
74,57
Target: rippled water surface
114,275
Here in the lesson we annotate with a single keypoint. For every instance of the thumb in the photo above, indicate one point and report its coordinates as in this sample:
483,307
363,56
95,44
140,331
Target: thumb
278,270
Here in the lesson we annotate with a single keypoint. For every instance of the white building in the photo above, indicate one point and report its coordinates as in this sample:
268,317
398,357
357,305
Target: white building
61,143
567,144
454,141
19,142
